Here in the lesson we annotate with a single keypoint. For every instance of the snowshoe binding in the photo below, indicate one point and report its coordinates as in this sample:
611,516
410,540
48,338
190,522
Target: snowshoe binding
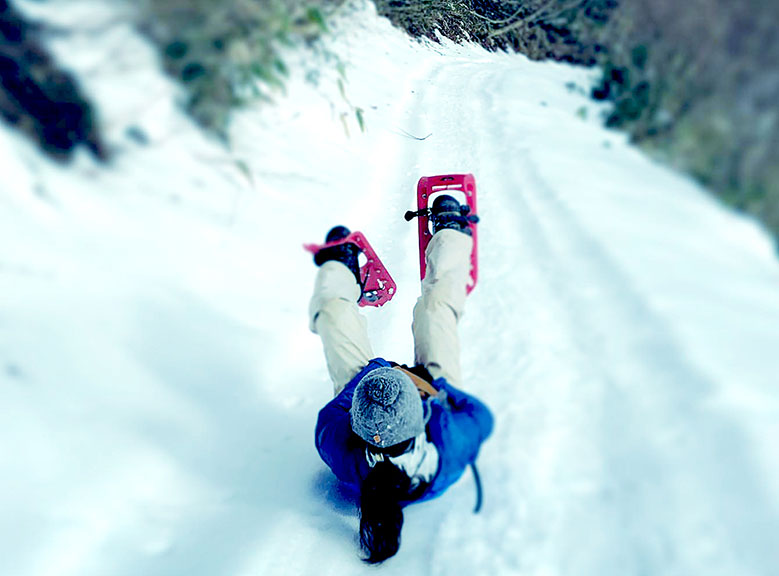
346,253
446,212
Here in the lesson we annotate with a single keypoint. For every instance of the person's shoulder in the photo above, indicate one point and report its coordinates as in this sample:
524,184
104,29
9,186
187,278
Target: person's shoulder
369,367
455,402
374,364
378,362
448,391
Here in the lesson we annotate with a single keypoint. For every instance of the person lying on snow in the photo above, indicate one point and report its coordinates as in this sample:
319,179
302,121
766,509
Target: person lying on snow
398,435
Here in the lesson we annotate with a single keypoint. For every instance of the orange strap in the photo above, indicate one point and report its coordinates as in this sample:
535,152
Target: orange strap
425,388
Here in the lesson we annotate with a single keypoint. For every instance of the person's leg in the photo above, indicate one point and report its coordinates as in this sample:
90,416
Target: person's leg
335,317
436,343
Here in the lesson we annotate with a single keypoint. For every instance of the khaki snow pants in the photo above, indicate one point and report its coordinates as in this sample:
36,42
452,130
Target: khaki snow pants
335,316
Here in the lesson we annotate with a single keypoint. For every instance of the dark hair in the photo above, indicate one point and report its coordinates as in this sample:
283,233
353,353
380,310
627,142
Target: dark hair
384,491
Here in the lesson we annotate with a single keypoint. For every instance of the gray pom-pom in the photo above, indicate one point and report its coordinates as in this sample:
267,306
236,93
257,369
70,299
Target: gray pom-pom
383,391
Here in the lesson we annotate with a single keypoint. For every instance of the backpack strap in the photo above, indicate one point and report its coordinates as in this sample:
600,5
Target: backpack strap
479,494
426,389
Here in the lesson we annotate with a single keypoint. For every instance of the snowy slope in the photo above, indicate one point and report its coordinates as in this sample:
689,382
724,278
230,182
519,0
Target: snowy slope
159,386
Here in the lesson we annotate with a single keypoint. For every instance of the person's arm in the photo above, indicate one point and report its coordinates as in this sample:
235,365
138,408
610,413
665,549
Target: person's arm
470,420
335,441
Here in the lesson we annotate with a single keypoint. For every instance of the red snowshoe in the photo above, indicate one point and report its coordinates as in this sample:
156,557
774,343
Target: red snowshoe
378,287
446,211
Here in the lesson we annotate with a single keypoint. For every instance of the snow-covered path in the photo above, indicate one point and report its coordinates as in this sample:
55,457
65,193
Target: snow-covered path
622,466
159,387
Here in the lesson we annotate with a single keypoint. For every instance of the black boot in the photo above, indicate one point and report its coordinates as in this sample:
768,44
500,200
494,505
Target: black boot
448,214
344,253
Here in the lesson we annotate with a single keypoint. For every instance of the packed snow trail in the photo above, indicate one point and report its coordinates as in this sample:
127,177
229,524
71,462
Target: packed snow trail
621,457
159,385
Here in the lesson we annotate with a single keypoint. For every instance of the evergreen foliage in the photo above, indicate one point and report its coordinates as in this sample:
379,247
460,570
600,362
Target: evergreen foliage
39,98
228,52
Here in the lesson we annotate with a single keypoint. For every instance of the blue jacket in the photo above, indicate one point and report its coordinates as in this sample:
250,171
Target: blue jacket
457,427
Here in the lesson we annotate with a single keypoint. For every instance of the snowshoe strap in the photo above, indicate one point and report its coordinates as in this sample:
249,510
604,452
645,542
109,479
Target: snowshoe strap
426,389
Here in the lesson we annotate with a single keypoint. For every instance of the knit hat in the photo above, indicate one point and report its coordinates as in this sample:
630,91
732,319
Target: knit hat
386,408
